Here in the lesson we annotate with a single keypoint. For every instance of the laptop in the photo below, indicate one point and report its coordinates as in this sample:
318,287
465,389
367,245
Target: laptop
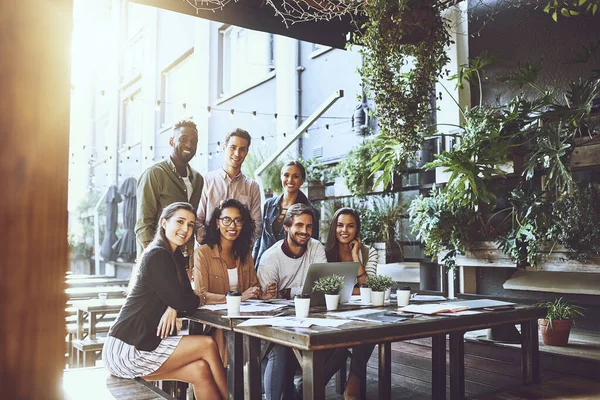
348,270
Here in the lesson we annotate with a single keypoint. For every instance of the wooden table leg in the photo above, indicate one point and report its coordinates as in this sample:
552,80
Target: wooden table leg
457,366
385,371
235,368
438,367
79,325
252,368
92,327
530,352
313,371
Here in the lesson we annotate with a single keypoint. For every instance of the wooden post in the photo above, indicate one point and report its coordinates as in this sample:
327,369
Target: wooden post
35,41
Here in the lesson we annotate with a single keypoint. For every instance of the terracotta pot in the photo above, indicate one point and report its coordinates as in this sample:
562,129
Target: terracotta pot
558,335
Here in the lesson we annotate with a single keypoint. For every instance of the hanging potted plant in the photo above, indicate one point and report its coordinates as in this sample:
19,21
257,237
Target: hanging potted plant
393,32
556,327
379,284
330,285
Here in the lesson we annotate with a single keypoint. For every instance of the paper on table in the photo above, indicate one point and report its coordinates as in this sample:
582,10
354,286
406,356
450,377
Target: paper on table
351,314
459,313
431,308
245,307
293,322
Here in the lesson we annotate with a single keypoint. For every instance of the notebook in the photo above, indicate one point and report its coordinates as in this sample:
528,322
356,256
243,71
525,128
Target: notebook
454,306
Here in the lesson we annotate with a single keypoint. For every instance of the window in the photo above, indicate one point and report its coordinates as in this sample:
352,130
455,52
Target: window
246,57
133,52
177,90
131,122
318,49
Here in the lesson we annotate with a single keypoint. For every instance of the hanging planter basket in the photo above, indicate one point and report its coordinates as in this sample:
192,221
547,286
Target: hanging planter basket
411,26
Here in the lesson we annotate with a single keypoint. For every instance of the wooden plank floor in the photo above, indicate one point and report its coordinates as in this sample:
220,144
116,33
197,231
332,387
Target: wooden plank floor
488,367
97,383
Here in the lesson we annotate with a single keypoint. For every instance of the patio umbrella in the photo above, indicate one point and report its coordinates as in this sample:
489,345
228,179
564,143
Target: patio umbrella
113,198
125,248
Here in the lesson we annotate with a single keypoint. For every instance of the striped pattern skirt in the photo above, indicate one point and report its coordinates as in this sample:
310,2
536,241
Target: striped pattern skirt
125,361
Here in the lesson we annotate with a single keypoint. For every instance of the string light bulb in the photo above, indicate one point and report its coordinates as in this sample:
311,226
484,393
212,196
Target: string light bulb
306,134
254,115
232,113
217,147
184,105
208,114
157,107
275,115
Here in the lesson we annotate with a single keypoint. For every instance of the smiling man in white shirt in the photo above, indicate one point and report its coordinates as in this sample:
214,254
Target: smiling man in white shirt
230,182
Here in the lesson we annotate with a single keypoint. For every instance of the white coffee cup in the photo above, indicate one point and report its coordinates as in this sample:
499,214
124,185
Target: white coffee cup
388,293
102,297
234,300
365,295
302,305
403,295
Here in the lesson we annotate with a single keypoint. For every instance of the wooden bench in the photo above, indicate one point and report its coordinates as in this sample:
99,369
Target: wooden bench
102,326
564,388
87,351
97,383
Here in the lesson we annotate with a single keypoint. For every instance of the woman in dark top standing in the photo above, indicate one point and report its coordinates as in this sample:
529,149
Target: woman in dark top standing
293,176
138,344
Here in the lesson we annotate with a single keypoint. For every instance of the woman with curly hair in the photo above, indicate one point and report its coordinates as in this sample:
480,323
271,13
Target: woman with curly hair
223,262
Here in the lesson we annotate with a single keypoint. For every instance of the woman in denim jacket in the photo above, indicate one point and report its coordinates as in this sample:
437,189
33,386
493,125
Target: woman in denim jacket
293,175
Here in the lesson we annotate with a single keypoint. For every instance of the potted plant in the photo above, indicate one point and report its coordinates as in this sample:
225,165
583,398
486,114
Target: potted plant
330,285
556,327
393,33
379,284
315,187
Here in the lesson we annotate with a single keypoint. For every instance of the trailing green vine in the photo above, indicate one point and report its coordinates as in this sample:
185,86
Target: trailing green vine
403,94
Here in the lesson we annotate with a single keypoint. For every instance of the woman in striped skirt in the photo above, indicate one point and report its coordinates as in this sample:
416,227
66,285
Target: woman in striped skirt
343,244
138,344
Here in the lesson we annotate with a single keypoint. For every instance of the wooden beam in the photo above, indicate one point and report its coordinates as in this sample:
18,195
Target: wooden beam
35,41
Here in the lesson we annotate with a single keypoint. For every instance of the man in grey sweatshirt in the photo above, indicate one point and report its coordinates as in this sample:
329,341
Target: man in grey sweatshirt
286,264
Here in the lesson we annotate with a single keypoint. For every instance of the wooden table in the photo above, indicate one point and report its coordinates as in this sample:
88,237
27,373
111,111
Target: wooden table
310,347
85,282
94,311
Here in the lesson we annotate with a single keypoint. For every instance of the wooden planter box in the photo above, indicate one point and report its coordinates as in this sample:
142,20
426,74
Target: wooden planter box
487,254
315,190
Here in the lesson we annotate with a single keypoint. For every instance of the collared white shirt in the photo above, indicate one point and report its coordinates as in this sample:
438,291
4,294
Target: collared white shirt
218,186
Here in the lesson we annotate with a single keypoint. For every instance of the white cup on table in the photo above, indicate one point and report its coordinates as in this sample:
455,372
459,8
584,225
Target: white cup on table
234,301
365,294
403,295
102,297
302,305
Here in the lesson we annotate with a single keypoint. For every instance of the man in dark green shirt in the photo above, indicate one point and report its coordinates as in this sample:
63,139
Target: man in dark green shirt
169,181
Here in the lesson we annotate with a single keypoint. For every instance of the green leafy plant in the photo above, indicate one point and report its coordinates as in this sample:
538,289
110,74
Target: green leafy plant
570,8
331,284
531,228
314,169
441,224
271,177
354,168
559,310
579,216
381,218
379,283
393,32
81,228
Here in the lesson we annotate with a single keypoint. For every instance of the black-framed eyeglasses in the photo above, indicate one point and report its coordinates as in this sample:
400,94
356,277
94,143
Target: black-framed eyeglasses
227,221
